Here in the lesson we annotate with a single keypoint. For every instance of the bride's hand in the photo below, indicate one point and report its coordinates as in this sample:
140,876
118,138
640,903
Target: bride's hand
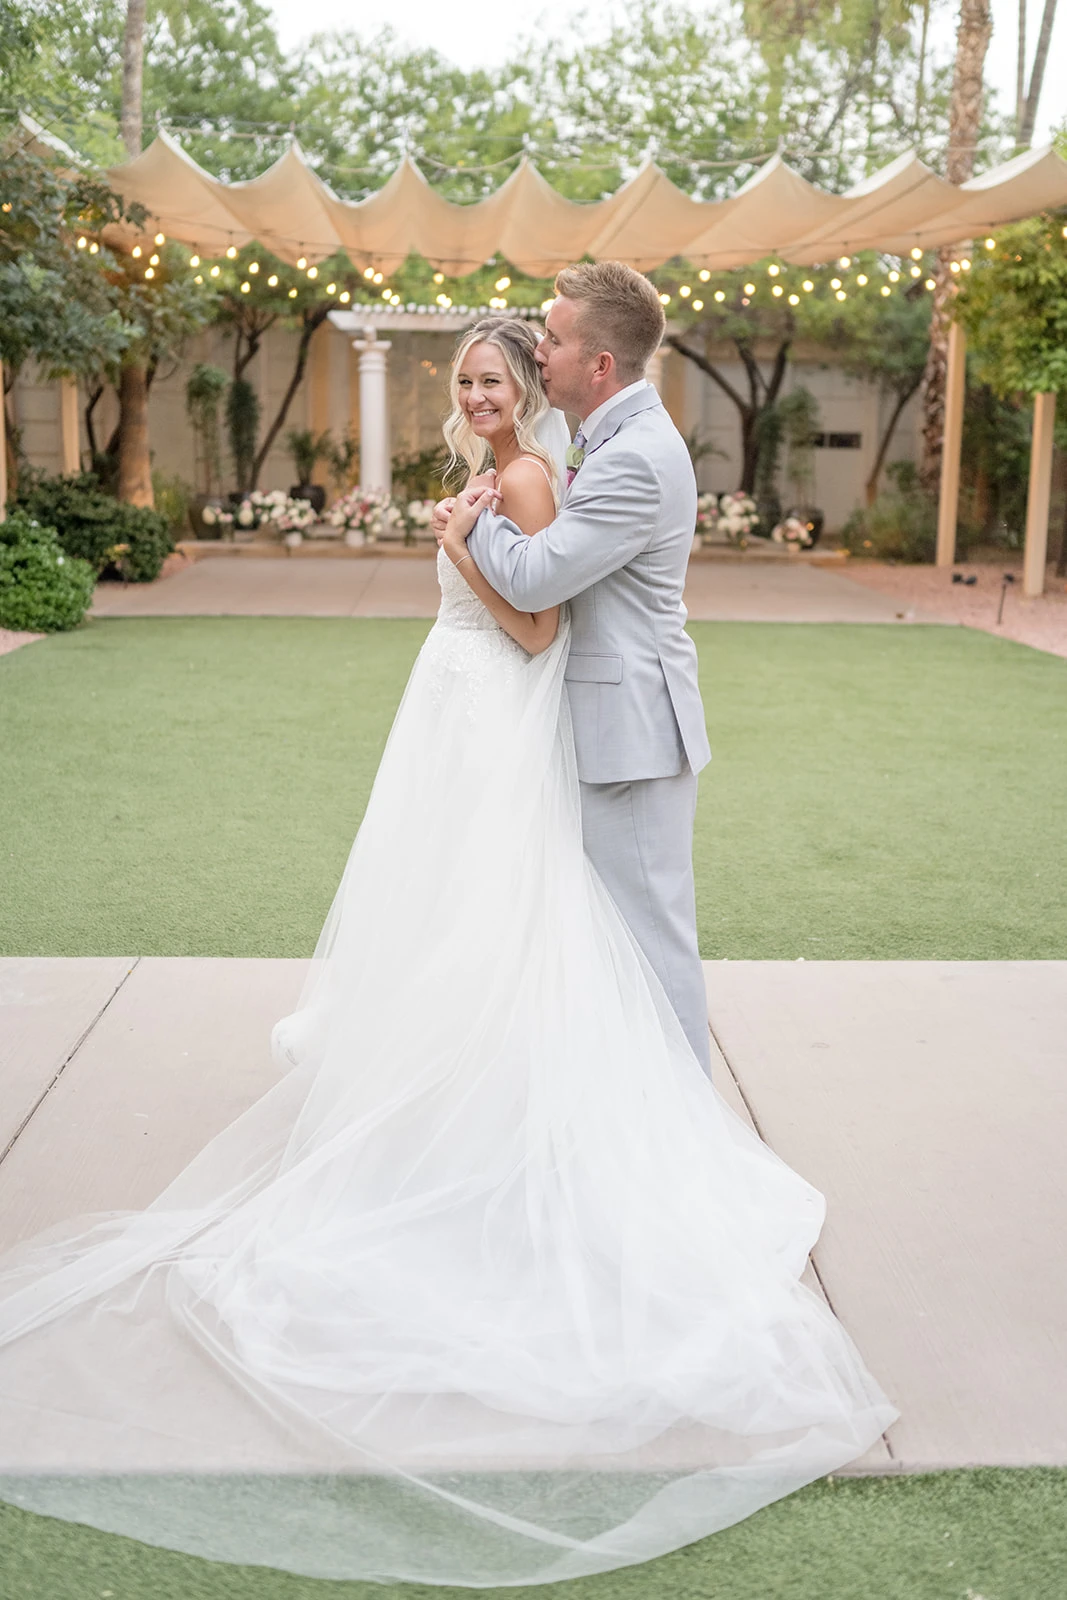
466,510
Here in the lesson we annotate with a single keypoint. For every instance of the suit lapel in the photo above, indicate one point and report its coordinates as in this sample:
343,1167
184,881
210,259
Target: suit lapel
609,425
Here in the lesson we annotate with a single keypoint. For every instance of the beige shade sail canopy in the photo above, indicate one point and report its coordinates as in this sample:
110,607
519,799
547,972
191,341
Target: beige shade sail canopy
291,212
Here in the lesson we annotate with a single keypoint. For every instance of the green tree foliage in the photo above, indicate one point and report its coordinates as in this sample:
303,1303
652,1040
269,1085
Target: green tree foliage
1014,308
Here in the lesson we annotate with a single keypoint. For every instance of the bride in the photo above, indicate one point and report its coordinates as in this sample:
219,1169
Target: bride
491,1288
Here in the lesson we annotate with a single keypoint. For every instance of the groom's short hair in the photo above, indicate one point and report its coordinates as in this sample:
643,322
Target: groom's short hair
619,311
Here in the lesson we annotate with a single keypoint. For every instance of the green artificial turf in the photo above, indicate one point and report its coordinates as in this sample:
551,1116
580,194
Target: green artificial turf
991,1534
190,786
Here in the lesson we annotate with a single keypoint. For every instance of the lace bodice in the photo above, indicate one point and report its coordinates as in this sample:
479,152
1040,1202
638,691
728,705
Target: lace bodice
460,606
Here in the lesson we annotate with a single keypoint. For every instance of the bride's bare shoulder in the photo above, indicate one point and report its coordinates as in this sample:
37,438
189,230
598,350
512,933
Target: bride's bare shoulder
526,495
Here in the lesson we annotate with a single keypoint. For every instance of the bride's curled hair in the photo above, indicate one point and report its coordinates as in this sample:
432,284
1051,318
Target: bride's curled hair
516,340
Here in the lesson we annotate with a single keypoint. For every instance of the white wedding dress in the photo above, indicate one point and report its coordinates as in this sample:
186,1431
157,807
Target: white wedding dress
492,1287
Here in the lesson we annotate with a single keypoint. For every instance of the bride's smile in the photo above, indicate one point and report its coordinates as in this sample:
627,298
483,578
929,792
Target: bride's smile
489,396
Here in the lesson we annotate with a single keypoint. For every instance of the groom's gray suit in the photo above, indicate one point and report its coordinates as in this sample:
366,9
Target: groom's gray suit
617,552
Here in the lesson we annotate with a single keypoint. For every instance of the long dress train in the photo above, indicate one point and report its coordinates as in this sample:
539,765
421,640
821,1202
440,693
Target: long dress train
491,1287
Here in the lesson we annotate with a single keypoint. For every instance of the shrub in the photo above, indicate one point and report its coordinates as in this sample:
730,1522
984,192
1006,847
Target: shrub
173,497
131,540
42,589
901,525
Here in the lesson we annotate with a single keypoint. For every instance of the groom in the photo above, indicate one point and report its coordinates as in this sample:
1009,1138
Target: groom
617,551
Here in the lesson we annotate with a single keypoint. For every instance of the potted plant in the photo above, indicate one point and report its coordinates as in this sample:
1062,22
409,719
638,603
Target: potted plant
242,425
307,450
203,398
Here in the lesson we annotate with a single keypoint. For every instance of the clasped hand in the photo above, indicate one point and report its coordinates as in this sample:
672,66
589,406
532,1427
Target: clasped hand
454,517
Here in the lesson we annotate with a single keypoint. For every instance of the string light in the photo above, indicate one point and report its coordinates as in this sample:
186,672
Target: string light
861,279
394,300
777,289
194,261
916,272
894,276
246,287
744,300
664,299
344,297
720,296
835,283
82,242
216,269
885,289
272,281
750,288
438,277
302,263
704,274
149,272
198,278
794,299
331,288
845,261
991,244
253,267
774,269
966,264
377,277
292,294
954,266
368,273
807,286
841,295
501,284
685,291
313,273
930,284
546,305
94,248
161,238
231,253
916,253
698,305
137,252
153,261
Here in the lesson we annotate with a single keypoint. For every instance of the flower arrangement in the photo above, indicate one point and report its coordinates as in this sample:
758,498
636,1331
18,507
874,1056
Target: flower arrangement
274,505
737,516
793,531
417,517
707,515
367,515
217,517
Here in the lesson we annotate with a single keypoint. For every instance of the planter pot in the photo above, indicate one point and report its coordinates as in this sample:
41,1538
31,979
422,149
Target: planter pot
813,517
207,530
314,493
354,538
294,540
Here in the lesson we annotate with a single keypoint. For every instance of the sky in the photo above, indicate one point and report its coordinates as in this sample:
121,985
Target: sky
471,31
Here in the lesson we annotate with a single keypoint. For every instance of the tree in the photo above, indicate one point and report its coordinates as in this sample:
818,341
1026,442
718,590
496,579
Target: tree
57,304
1028,98
965,118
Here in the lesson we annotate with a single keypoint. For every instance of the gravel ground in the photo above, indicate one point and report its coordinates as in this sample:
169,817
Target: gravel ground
1041,623
10,640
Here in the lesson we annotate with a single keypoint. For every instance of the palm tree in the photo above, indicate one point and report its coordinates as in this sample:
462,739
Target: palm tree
1027,100
965,116
135,462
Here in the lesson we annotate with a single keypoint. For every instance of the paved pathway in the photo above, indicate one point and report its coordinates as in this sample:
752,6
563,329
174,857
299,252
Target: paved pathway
329,586
926,1099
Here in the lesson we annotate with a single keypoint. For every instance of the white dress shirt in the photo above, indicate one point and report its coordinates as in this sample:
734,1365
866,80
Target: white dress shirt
594,418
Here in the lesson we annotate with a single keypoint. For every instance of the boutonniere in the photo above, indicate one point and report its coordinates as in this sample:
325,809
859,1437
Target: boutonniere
575,456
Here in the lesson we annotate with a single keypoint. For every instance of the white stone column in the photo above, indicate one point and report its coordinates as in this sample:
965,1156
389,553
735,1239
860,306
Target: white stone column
375,459
69,427
951,445
1035,550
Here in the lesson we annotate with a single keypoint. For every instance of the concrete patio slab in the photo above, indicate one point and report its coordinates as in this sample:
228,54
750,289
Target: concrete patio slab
181,1051
330,586
928,1100
47,1007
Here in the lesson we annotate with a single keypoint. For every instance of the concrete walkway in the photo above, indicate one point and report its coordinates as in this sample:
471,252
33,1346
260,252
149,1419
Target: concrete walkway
926,1099
394,586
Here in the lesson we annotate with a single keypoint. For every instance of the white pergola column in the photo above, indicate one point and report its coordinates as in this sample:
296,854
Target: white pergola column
1039,494
375,460
951,445
70,454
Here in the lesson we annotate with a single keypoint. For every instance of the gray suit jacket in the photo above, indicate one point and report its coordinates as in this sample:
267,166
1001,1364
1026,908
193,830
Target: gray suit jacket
617,551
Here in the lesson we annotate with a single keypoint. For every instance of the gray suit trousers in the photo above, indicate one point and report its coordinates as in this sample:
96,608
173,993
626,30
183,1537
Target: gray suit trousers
639,837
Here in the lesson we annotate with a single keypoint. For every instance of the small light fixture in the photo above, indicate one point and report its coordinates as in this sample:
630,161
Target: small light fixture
94,248
807,286
720,295
750,288
344,297
153,261
387,294
861,279
253,267
231,254
546,305
916,253
246,287
501,284
966,264
930,284
835,283
954,266
331,288
894,276
916,271
216,269
794,299
194,261
149,272
698,305
302,263
438,277
685,291
368,272
137,252
272,281
82,242
292,294
777,289
664,299
161,238
376,277
841,295
704,274
885,289
991,244
845,261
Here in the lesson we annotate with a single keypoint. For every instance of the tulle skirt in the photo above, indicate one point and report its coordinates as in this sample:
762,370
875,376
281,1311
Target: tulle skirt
491,1287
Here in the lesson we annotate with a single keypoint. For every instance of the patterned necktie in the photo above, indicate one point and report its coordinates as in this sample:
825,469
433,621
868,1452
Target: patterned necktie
578,446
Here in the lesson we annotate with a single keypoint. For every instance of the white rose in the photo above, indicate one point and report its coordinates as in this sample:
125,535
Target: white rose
246,516
209,516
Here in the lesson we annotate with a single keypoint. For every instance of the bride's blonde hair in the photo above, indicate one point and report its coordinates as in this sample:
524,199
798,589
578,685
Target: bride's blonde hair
516,341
